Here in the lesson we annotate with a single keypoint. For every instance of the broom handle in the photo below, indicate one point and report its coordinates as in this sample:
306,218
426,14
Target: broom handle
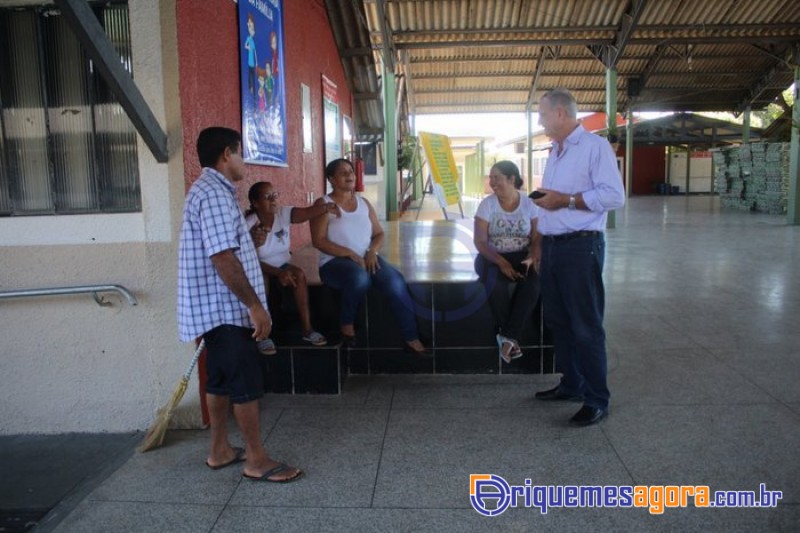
197,353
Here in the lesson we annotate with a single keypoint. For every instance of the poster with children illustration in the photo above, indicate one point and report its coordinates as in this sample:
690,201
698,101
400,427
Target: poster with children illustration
262,81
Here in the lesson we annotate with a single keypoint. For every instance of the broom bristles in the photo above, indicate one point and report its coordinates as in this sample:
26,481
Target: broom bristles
155,435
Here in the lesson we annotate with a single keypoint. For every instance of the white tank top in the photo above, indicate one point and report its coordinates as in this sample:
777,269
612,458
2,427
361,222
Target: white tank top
352,230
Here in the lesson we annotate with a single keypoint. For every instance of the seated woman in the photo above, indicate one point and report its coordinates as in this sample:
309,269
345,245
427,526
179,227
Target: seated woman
505,237
349,260
269,226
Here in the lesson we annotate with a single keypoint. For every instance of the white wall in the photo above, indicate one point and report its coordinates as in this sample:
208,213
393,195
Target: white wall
70,365
700,175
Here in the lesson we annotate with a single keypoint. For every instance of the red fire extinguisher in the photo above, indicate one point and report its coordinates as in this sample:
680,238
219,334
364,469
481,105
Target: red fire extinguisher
359,174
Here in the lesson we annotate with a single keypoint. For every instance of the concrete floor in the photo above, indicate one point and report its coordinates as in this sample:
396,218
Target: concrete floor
702,308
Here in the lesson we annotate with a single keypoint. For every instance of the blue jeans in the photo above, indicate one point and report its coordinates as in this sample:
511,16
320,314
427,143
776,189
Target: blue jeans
573,297
353,281
511,302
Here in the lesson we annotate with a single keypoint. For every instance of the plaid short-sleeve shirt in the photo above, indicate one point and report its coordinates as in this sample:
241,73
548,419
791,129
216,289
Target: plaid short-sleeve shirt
212,223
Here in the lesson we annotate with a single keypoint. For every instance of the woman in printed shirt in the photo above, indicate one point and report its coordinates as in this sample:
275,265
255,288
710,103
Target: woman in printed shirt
505,235
269,225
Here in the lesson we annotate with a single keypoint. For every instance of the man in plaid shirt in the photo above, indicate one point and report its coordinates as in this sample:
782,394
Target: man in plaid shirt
221,297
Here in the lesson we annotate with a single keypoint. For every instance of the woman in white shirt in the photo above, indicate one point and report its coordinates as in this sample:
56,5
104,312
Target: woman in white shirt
349,260
505,235
269,225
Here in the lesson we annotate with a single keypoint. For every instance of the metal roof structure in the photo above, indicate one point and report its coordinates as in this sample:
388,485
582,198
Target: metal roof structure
678,129
458,56
687,129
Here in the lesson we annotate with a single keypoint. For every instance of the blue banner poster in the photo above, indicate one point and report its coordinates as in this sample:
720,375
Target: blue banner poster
262,81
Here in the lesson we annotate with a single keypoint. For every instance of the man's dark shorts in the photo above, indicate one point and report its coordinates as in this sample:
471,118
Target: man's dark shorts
233,364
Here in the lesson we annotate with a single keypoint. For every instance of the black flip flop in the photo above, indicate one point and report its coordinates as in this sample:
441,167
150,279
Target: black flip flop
239,457
282,467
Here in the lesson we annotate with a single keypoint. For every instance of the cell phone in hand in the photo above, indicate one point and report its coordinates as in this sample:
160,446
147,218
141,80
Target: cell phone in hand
535,195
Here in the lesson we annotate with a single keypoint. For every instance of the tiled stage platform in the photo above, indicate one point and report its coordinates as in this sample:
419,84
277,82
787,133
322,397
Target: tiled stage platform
436,258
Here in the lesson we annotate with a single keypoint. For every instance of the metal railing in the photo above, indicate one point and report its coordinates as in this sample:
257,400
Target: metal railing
94,290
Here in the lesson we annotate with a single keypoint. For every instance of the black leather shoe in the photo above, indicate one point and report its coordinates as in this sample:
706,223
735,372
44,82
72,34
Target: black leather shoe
587,416
555,394
425,353
349,341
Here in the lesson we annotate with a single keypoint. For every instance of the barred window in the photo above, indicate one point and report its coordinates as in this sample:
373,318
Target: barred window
66,144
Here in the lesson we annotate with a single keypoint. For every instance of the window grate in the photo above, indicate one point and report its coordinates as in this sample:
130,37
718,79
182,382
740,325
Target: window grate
66,144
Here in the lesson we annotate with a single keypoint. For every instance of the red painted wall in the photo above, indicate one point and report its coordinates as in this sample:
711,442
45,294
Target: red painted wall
648,168
208,51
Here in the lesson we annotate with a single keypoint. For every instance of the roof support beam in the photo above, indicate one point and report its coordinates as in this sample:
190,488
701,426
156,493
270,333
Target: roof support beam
764,83
490,75
409,82
724,38
769,53
641,80
400,92
471,90
93,38
371,95
634,11
440,75
386,37
356,52
484,105
576,41
533,53
609,54
543,52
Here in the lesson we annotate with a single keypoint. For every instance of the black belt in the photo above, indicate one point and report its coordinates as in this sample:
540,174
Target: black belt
573,235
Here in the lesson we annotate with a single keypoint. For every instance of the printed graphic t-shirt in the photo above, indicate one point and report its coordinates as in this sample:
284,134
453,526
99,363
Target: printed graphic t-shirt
509,231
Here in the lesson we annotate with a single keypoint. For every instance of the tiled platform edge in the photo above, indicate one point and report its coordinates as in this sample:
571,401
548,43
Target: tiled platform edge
454,321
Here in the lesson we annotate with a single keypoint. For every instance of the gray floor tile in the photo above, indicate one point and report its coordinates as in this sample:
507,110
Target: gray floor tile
794,406
727,329
677,377
237,519
773,368
339,451
730,447
102,517
645,332
497,392
783,518
357,392
173,473
146,479
429,455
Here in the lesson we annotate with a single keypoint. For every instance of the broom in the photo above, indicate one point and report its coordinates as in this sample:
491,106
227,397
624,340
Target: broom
155,435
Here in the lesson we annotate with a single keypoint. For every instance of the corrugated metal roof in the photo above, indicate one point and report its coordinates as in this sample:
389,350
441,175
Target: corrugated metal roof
486,55
351,33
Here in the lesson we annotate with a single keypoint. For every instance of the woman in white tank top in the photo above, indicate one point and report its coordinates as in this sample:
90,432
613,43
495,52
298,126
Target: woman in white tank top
349,260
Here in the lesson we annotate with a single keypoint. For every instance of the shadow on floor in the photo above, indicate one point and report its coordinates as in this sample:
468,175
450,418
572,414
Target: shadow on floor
51,473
